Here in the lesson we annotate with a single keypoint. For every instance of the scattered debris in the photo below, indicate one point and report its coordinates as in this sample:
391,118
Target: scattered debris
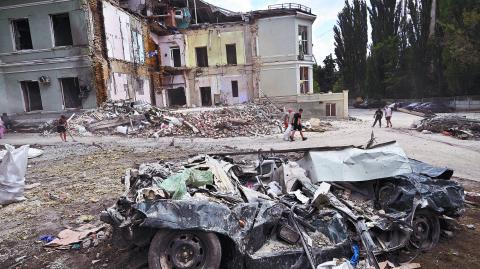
85,218
127,118
47,238
473,197
459,127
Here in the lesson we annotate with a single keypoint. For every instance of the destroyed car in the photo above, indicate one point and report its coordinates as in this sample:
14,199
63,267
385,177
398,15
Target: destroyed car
217,212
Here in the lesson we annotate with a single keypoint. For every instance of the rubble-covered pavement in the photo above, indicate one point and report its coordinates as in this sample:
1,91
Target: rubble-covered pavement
143,120
79,180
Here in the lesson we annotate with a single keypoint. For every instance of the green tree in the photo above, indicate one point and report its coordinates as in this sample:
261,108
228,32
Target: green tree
351,37
383,62
459,25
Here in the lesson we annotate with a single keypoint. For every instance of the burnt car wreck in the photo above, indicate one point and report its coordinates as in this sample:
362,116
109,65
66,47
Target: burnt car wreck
286,208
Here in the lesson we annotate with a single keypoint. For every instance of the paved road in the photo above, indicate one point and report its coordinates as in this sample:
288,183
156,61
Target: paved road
461,155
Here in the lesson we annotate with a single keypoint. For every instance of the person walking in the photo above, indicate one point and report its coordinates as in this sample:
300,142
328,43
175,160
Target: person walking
62,128
388,116
378,117
297,125
287,121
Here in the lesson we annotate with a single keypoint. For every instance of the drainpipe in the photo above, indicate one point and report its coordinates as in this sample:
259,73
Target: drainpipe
195,7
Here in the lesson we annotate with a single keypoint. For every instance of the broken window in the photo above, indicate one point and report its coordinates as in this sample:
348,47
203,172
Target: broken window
206,95
175,58
21,34
138,51
202,56
231,53
176,97
303,40
127,91
62,33
71,93
140,90
234,88
331,110
304,81
31,95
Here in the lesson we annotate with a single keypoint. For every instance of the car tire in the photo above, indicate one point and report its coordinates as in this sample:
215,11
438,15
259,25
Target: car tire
184,249
426,230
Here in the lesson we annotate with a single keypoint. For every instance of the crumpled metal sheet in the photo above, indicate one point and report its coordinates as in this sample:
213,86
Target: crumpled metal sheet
422,168
355,164
442,196
245,223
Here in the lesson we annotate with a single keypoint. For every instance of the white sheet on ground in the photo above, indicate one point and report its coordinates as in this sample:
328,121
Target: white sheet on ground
12,174
354,164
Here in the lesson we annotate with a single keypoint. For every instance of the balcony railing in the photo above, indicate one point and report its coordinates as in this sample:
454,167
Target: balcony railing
299,7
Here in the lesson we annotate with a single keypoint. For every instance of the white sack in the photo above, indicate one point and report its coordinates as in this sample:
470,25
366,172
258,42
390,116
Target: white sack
286,134
12,174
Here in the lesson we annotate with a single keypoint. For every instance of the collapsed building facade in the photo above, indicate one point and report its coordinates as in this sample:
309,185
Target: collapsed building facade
168,53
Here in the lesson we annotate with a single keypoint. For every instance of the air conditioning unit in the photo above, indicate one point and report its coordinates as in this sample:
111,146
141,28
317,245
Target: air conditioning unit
45,80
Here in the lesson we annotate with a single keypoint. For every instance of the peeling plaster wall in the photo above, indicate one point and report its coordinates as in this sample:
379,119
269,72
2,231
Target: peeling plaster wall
215,39
219,80
218,76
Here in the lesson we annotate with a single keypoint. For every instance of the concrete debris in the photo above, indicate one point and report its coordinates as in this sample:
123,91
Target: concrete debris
456,126
277,217
125,118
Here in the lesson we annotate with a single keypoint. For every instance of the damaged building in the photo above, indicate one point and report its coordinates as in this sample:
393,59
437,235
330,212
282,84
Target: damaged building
58,55
216,56
44,57
169,53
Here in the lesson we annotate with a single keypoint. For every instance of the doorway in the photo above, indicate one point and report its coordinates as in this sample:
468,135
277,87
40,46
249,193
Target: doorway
176,97
71,93
31,95
206,94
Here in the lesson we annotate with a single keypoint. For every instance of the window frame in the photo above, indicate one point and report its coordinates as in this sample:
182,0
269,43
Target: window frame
304,81
13,31
234,45
303,41
206,56
52,30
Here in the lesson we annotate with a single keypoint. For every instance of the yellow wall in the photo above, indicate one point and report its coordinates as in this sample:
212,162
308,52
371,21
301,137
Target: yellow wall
215,41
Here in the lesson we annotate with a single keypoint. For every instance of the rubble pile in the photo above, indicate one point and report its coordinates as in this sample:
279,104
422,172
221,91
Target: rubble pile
278,213
459,127
251,119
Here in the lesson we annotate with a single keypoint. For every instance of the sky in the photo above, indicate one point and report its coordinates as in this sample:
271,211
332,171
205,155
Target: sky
326,11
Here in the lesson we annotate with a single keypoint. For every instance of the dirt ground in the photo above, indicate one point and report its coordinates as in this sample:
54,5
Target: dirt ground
83,178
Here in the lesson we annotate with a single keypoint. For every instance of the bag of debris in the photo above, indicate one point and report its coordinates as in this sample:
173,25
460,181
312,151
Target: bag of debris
12,174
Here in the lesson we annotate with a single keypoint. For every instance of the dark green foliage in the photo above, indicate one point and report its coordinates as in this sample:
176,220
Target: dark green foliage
324,77
351,39
412,55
